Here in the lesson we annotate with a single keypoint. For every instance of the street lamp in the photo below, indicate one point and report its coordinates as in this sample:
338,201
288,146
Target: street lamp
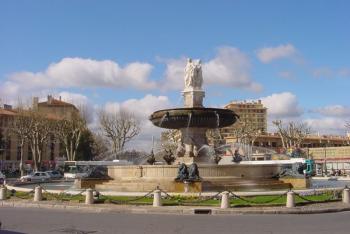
325,157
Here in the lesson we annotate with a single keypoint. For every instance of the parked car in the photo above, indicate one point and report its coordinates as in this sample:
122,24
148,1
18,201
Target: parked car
36,176
2,178
54,174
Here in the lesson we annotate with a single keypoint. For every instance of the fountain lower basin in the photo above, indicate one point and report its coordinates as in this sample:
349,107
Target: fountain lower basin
144,178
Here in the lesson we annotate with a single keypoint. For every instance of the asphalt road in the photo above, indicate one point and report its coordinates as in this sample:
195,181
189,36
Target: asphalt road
37,221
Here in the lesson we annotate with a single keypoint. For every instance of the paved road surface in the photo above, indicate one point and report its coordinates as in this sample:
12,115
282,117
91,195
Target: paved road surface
37,221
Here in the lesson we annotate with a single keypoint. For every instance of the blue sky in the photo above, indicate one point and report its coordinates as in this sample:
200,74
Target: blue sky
294,55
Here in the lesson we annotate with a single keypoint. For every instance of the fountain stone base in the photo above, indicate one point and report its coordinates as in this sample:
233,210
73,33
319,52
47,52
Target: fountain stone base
234,177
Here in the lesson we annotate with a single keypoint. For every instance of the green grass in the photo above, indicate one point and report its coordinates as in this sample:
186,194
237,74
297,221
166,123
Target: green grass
19,194
63,197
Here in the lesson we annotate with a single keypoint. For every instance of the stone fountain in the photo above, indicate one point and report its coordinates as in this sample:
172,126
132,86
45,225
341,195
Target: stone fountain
193,120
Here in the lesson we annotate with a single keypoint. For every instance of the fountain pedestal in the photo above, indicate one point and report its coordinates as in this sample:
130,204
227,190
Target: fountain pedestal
193,97
193,138
195,142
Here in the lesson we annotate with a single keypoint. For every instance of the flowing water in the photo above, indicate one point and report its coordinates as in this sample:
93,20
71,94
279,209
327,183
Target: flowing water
189,120
162,119
217,120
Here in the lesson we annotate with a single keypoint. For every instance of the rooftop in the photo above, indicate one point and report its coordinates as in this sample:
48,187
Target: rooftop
51,101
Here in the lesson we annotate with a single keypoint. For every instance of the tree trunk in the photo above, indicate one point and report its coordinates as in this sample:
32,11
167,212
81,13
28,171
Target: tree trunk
21,165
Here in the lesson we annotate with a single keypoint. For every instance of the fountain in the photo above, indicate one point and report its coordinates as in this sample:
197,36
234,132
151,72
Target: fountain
196,160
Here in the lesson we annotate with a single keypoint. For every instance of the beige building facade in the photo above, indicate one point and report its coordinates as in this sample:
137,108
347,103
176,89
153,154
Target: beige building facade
252,113
10,150
331,159
273,140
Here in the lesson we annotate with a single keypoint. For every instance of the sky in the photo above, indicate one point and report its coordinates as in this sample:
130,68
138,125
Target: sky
293,55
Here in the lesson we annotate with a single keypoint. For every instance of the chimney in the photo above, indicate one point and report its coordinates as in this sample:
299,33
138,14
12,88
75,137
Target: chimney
60,98
35,103
49,99
259,101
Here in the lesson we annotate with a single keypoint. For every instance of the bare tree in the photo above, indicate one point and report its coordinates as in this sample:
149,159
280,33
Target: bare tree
281,131
40,130
69,132
170,139
347,125
119,127
245,131
100,147
292,134
20,129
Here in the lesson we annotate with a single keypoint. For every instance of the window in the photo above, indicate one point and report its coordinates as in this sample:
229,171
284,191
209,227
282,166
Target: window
30,154
52,151
18,153
8,149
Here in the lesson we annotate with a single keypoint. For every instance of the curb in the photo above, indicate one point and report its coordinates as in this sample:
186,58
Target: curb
178,210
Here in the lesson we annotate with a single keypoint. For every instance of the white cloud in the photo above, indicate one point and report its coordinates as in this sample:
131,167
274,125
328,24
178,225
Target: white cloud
328,125
141,108
323,72
268,54
286,75
344,72
79,72
74,98
331,119
282,105
174,74
335,110
327,72
230,68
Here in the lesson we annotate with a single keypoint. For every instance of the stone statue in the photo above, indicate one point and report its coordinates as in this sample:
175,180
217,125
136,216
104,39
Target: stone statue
193,174
193,75
169,157
182,173
237,158
198,81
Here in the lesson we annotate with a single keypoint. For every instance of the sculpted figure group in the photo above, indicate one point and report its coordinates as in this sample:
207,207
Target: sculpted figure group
193,74
190,173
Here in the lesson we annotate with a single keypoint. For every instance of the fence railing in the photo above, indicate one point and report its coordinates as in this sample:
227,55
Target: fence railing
159,197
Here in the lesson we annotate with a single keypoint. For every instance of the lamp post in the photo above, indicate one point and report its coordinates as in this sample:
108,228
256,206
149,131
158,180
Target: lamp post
325,158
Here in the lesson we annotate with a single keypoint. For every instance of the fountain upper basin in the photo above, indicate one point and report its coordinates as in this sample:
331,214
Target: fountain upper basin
197,117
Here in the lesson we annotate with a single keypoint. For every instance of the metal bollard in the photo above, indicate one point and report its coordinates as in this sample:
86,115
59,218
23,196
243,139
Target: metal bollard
157,199
224,200
346,196
290,199
38,194
3,191
89,197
